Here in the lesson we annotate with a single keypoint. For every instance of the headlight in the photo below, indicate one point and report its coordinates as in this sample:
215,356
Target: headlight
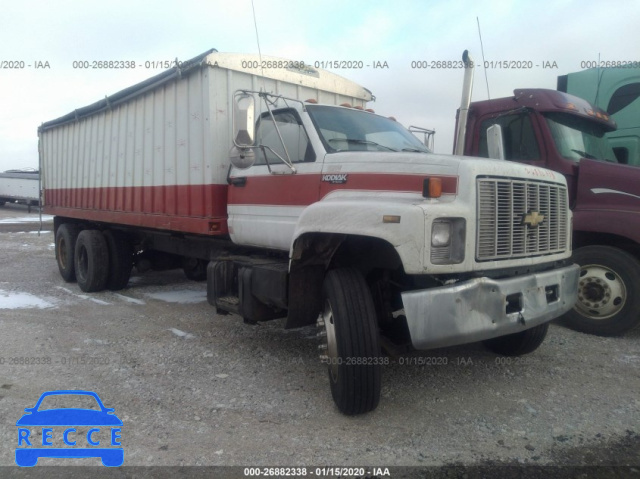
441,233
448,240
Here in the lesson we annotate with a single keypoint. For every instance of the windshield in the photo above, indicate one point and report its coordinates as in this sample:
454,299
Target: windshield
577,138
346,129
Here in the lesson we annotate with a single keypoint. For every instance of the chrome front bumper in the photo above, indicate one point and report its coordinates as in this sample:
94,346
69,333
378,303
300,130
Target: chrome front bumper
484,308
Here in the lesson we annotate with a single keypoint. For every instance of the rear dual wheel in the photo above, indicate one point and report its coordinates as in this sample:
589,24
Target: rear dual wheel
66,236
96,259
91,261
195,269
120,259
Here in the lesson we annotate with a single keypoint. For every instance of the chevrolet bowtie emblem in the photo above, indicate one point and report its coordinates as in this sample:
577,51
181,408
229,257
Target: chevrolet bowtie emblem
532,219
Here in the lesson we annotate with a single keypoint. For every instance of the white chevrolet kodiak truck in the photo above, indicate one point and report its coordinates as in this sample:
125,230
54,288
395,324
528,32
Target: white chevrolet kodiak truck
393,244
327,214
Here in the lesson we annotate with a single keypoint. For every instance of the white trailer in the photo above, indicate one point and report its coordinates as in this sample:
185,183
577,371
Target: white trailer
20,186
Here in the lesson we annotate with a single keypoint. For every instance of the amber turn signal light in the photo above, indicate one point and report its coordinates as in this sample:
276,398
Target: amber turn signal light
432,187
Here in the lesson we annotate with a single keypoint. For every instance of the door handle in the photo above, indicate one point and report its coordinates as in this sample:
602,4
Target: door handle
238,181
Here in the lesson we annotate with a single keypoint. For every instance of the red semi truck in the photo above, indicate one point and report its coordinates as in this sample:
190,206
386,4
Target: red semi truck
292,201
551,129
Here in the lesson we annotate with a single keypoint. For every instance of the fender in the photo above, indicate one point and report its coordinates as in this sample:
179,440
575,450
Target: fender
362,213
615,222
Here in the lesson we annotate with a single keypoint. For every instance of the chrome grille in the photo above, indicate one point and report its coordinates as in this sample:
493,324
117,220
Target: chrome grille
503,205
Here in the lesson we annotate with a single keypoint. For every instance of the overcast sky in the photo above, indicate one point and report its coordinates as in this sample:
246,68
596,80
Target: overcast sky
397,32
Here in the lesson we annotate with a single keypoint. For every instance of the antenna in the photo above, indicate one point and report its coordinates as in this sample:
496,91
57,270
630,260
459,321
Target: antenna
600,74
255,24
483,61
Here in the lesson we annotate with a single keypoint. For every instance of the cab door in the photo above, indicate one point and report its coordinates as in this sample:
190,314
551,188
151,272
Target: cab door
522,138
265,200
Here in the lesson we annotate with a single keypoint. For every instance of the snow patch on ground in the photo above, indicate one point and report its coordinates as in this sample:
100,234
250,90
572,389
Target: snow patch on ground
17,300
629,359
26,219
129,299
182,334
83,296
184,296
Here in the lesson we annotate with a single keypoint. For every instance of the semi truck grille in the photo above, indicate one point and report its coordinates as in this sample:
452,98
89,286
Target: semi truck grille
519,218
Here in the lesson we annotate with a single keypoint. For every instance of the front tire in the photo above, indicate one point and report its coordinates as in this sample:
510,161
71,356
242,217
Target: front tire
348,323
608,292
91,261
517,344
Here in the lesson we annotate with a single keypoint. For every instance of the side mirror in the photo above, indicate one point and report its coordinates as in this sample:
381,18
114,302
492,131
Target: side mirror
495,144
242,157
243,120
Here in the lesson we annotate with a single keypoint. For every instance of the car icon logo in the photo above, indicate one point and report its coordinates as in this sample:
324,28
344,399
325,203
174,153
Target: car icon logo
68,425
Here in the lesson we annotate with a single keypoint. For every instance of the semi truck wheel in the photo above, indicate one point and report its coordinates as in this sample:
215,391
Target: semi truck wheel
351,346
517,344
120,259
195,269
91,261
66,237
608,292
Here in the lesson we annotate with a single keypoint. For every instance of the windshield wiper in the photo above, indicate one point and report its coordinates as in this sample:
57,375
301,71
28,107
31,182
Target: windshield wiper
360,142
416,150
584,154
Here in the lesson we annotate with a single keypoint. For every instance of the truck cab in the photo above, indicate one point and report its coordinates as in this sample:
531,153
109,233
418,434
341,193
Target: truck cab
615,90
566,134
408,248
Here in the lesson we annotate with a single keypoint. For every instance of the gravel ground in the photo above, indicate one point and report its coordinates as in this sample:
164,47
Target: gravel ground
196,389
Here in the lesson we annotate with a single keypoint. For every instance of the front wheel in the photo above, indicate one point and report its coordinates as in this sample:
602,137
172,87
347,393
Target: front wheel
608,292
352,348
517,344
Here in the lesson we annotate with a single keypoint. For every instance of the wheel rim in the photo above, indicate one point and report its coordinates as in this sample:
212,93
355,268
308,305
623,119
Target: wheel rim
601,292
327,335
62,252
83,263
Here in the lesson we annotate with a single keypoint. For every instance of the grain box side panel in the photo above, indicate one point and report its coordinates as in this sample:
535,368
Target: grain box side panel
158,154
185,152
129,158
150,161
147,154
121,149
170,149
137,158
197,161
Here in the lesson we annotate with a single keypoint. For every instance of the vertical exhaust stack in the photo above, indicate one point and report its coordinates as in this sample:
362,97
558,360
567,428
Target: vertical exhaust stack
467,87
